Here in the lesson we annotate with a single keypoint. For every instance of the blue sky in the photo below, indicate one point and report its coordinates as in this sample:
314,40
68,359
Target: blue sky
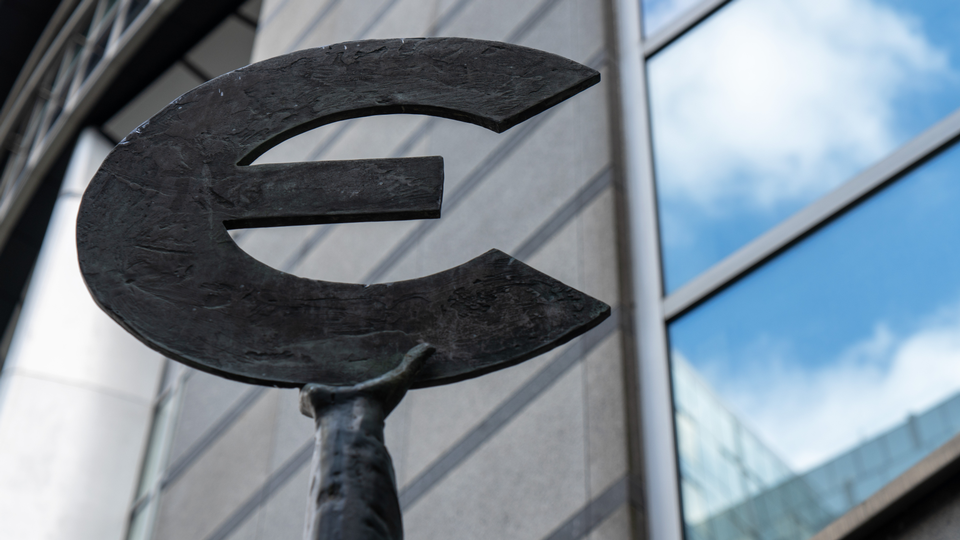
845,334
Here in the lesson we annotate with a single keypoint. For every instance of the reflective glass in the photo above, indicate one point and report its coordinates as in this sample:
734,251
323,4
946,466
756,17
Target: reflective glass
827,372
659,13
153,462
142,523
769,104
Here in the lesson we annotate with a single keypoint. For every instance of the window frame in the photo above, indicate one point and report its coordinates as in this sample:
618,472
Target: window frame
653,308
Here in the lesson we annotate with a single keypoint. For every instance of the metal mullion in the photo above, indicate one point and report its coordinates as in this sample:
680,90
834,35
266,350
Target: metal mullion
50,33
77,104
57,46
68,56
140,502
32,132
117,29
14,143
151,10
90,43
100,47
654,403
97,14
687,20
14,169
120,20
107,16
80,85
84,80
59,90
43,126
106,22
147,501
814,215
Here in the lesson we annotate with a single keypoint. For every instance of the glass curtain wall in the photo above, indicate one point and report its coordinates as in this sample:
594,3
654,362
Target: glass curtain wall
807,187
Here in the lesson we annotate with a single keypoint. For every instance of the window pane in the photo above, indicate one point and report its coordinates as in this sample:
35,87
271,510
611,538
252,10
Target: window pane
769,104
659,13
153,462
142,523
827,372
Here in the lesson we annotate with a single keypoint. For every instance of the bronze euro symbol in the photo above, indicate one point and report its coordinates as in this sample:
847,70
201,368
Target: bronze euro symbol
156,255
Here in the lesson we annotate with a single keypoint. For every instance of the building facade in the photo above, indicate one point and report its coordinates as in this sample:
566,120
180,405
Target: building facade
761,189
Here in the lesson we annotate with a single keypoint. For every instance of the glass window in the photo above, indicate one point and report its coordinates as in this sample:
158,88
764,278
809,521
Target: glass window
165,413
769,104
140,525
154,461
836,362
659,13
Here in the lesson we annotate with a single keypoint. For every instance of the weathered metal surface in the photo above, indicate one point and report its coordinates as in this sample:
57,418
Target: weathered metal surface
353,489
155,252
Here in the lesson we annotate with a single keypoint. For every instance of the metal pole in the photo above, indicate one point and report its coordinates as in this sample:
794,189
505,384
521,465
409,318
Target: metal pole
353,489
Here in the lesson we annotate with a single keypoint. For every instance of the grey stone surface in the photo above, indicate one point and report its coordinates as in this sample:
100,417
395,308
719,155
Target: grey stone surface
276,245
282,517
206,398
600,277
303,146
365,243
249,530
606,434
344,22
563,253
615,527
224,49
572,28
291,429
521,484
438,417
396,436
407,18
486,20
224,477
286,25
497,211
374,137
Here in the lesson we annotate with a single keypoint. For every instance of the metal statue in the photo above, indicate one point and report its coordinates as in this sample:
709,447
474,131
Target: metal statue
156,255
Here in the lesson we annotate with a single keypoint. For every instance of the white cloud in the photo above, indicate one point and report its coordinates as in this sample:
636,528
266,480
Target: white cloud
781,99
809,416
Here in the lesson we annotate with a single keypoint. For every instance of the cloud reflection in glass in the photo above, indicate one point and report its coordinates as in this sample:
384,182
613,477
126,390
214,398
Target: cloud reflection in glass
847,338
770,104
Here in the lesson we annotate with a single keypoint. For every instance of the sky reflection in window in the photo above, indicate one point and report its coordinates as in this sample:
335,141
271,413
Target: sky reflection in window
770,104
851,335
659,13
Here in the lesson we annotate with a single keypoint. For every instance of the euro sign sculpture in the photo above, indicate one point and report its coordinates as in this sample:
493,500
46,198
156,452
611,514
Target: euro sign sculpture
156,256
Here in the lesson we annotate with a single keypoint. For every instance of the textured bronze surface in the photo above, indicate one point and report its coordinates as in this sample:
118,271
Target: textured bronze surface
353,490
155,252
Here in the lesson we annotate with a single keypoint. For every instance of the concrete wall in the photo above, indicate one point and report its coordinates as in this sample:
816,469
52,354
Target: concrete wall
75,395
535,451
